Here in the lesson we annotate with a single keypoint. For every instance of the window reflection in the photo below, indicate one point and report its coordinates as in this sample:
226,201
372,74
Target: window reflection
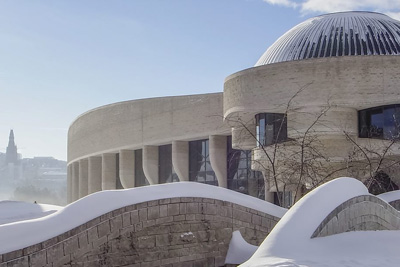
241,177
166,172
379,122
140,178
271,128
200,169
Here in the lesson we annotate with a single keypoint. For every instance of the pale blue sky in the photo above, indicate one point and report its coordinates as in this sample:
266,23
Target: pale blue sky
61,58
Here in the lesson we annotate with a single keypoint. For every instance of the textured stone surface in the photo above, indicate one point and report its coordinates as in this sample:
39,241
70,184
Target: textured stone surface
362,213
168,232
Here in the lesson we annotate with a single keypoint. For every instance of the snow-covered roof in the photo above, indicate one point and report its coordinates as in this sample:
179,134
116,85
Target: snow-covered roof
337,34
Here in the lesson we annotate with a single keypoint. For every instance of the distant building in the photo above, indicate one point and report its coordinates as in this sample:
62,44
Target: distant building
11,153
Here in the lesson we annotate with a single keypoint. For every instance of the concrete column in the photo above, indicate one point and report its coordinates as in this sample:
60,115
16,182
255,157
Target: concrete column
75,181
244,136
109,171
150,163
69,184
218,158
269,196
127,168
180,159
94,175
83,178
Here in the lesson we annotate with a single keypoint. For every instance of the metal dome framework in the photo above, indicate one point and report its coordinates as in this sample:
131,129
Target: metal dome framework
337,34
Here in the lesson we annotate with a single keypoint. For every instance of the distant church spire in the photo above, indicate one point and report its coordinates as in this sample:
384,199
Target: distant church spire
11,153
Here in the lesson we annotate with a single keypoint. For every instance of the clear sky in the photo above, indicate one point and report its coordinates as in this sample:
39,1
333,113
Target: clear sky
61,58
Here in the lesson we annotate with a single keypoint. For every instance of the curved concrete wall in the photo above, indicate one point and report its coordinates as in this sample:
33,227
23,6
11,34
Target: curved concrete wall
362,213
190,231
133,124
357,82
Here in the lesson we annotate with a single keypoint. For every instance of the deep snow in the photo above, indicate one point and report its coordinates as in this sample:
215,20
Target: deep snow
289,243
14,211
25,233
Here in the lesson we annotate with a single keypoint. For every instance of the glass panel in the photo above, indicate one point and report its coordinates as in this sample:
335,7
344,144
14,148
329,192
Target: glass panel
271,128
379,122
140,178
166,171
200,169
119,184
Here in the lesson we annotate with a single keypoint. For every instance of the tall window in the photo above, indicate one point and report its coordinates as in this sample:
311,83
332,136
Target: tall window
118,184
199,163
166,172
241,177
140,178
271,128
379,122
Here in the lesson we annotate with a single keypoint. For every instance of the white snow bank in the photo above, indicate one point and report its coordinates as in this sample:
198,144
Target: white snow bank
291,237
13,211
239,250
22,234
390,196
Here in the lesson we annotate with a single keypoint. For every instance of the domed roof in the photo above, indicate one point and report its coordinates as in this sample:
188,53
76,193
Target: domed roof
337,34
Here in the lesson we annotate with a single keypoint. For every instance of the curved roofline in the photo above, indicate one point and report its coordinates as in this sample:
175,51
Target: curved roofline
347,33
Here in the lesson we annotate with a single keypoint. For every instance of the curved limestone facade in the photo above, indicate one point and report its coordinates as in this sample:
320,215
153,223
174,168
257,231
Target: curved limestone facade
334,102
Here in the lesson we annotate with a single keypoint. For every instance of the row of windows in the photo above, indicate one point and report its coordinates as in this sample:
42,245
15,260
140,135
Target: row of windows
378,122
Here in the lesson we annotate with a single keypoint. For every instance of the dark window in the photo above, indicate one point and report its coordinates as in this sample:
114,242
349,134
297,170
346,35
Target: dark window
271,128
241,177
119,184
379,122
166,172
199,163
140,178
285,197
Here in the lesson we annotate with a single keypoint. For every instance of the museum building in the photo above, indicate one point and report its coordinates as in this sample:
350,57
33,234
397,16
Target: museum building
325,89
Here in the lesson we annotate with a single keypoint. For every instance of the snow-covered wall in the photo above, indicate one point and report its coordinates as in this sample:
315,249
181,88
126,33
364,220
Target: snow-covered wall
157,230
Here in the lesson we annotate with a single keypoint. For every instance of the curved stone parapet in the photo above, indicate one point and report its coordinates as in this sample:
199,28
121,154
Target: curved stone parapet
361,213
190,230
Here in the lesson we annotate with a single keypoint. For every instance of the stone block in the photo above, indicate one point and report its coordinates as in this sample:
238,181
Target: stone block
12,255
173,209
31,249
164,201
22,261
55,252
182,208
103,228
141,205
163,210
149,223
164,220
146,242
70,245
179,218
152,203
155,263
143,215
211,209
170,261
116,223
135,217
92,234
83,240
190,217
162,240
192,208
62,261
153,212
100,241
38,258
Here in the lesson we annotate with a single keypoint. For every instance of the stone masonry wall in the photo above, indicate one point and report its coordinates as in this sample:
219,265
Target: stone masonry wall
362,213
169,232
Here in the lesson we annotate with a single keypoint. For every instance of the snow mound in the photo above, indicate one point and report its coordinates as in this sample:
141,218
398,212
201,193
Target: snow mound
26,233
390,196
14,211
290,243
239,250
